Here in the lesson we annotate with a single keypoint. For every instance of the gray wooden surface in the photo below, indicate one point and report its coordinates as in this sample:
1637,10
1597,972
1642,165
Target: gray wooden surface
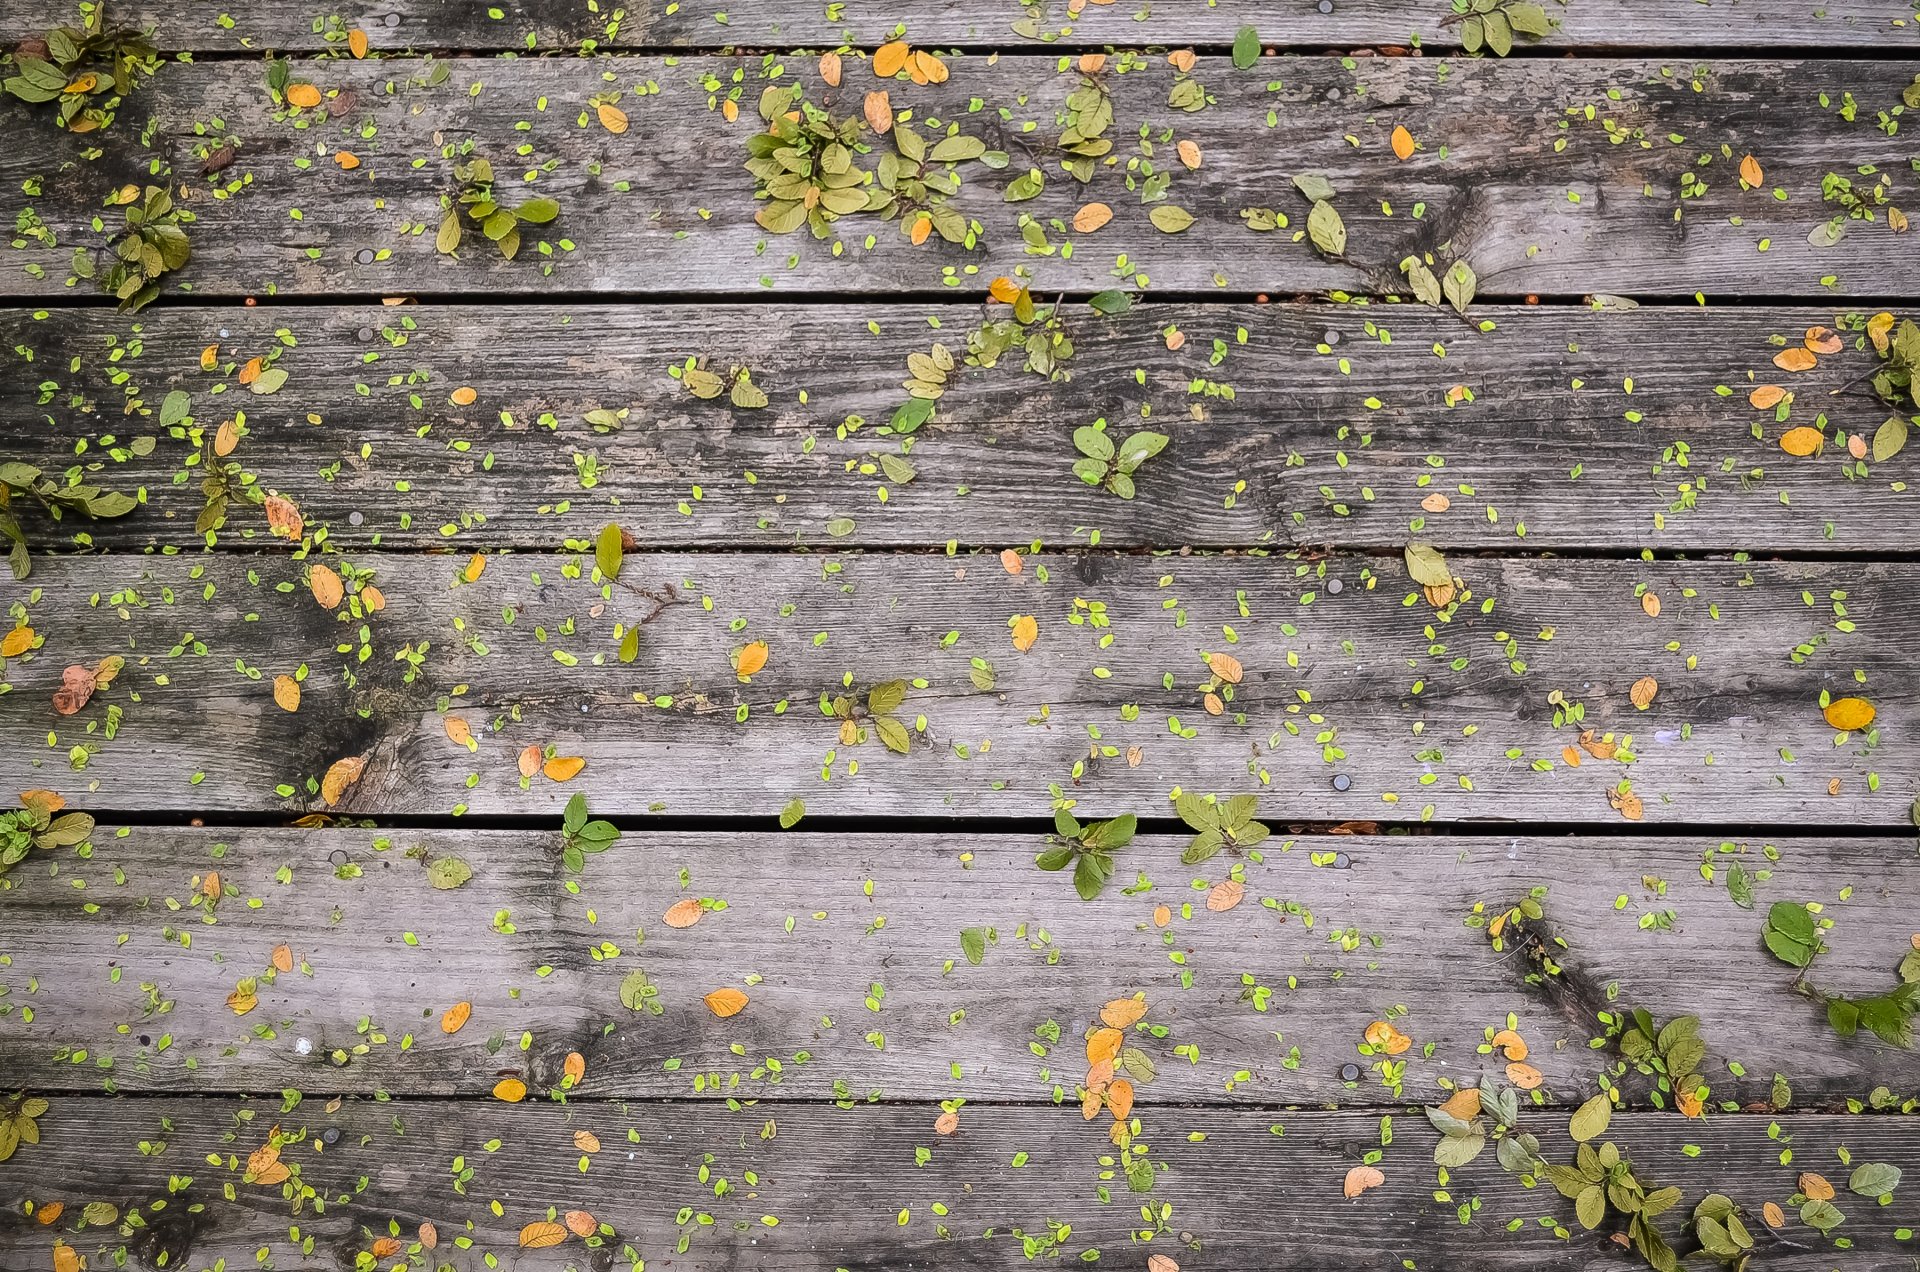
1516,178
1290,424
1406,715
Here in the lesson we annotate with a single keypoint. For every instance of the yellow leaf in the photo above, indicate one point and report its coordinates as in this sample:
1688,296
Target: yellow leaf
210,357
890,59
286,693
725,1002
612,118
1750,172
17,642
1026,630
1848,714
305,96
456,1017
564,768
1801,441
510,1090
542,1235
1402,149
244,997
1006,291
1878,328
750,659
1123,1012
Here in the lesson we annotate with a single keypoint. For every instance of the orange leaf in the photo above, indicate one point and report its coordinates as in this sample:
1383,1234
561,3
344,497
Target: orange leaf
1011,561
574,1070
340,775
1463,1104
385,1247
455,1018
210,357
1524,1076
1189,152
1361,1178
17,642
725,1002
346,159
429,1235
684,913
927,69
922,229
475,567
47,803
1511,1044
890,58
1120,1098
581,1223
1643,691
1104,1045
1650,604
1225,895
564,768
327,587
1800,359
1402,149
1182,60
65,1258
1750,172
283,517
1227,667
225,438
1802,441
1848,714
305,96
542,1235
50,1213
947,1123
372,598
1823,340
357,42
281,958
612,118
511,1090
244,998
1091,217
286,693
750,659
1766,397
830,69
1006,291
878,108
1026,630
529,759
460,732
1123,1013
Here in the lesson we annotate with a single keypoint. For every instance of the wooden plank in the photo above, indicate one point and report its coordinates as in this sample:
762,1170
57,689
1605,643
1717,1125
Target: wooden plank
1516,178
1337,930
1361,702
542,24
1291,424
812,1187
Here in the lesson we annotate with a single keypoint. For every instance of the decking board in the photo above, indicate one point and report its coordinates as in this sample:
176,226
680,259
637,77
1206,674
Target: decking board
1557,177
1291,425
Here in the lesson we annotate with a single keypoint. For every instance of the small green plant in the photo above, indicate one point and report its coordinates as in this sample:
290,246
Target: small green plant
1087,848
854,717
1793,937
1219,825
639,994
1603,1183
580,836
1493,24
1718,1228
39,823
153,245
1673,1053
499,223
19,1124
803,166
1112,467
24,481
86,69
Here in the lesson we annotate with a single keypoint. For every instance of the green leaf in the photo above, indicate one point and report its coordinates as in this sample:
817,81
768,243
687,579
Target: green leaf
1089,875
537,211
911,414
1058,857
1591,1207
1740,886
637,993
1026,186
747,395
1499,33
1473,34
1106,836
790,815
1315,187
893,734
958,149
1590,1120
1461,283
1246,47
1529,19
1207,843
269,382
448,873
630,645
1455,1151
175,407
447,240
973,943
575,815
1823,1215
885,698
608,552
1426,288
1874,1179
1093,442
1889,439
1110,302
1426,566
1790,933
1326,229
1139,448
1169,219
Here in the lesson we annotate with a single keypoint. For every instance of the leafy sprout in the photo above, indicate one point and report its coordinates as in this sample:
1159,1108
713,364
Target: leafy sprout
153,245
24,481
1602,1183
803,166
1793,937
1219,825
1493,24
1112,467
1087,848
580,836
87,70
36,825
881,702
499,223
19,1122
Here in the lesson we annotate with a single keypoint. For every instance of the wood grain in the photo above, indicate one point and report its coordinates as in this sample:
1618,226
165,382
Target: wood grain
248,25
848,1189
1358,703
849,948
1555,177
1332,425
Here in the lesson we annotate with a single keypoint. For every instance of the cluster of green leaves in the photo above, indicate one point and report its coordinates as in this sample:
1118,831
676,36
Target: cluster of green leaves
639,994
1084,141
1035,331
39,824
153,245
1493,24
24,481
1674,1051
86,69
1464,1139
1718,1228
500,224
1218,825
737,384
1112,469
1601,1183
1457,287
19,1123
1794,938
804,168
1088,848
1324,226
1899,372
917,178
882,701
580,836
223,479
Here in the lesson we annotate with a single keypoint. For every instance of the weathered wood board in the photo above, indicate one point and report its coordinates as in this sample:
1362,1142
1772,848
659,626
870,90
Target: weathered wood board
850,949
807,1186
1336,426
521,25
1359,700
1555,177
